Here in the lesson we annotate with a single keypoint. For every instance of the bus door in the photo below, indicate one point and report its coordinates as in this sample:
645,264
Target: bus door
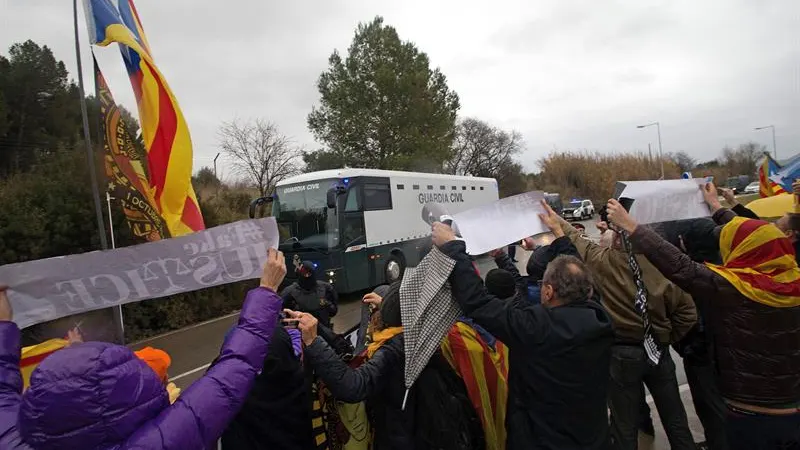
355,259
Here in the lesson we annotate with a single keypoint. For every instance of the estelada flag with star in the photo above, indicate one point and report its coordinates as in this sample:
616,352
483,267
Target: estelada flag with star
125,166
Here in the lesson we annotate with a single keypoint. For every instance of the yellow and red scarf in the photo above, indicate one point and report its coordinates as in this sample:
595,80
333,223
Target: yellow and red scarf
380,337
759,261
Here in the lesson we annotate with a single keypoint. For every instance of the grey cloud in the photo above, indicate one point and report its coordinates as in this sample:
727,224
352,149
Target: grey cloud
568,75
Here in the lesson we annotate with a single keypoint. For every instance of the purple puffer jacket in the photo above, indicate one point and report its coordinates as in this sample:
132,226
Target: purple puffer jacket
101,396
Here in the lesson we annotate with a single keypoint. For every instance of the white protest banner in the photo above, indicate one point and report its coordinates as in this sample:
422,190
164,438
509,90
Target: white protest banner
665,200
52,288
498,224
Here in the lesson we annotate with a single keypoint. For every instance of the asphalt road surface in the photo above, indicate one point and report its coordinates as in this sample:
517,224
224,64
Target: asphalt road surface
193,348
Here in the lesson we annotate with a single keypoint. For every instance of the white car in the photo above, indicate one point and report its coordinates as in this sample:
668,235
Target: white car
578,210
752,188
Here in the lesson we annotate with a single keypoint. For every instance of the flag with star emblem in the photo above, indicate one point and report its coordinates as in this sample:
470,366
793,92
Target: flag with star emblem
126,170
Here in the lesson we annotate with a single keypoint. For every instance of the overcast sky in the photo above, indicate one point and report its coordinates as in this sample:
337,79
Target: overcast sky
571,74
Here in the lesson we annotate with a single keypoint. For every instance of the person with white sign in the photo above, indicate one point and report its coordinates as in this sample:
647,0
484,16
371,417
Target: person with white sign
101,395
671,314
559,351
754,318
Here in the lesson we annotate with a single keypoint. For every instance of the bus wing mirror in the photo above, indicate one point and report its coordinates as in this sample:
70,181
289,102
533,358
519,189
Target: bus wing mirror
331,199
257,203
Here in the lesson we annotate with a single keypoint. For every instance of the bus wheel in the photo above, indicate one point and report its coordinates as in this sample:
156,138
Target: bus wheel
394,268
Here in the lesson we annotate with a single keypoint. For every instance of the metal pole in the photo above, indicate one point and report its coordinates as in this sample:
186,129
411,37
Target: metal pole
215,166
101,229
660,151
774,147
98,208
110,219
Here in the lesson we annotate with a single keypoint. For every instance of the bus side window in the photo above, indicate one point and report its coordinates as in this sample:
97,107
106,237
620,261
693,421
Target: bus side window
352,203
377,197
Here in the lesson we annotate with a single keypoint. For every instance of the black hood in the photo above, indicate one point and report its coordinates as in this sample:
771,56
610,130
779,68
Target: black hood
306,275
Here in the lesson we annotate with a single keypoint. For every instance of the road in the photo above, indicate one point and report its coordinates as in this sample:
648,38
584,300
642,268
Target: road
193,348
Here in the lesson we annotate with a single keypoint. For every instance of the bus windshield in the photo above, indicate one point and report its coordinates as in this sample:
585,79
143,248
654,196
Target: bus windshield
303,216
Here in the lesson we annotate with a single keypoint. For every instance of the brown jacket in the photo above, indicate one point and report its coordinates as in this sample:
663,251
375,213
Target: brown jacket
756,347
672,311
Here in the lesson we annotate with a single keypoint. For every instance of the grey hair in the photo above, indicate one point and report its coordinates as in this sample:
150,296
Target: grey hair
570,279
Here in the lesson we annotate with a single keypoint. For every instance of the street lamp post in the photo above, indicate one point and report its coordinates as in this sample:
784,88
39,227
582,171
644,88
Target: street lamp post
215,165
774,147
660,150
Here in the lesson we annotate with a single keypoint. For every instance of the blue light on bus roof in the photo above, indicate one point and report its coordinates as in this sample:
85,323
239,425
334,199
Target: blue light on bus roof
315,265
346,180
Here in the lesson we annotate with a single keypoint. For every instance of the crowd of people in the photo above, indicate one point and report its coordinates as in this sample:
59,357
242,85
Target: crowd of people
566,352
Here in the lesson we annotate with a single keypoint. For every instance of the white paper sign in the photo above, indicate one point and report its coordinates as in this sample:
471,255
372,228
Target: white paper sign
498,224
666,200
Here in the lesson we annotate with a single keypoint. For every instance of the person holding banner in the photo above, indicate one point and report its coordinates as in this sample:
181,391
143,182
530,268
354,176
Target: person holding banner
670,313
100,395
559,350
753,316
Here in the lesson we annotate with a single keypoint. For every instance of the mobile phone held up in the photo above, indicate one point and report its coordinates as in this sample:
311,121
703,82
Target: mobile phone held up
284,320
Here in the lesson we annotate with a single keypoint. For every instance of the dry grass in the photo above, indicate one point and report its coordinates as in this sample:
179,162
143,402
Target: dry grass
594,175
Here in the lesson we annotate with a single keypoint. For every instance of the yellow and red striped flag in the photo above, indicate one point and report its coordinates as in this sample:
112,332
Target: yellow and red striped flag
759,261
33,355
767,187
165,133
484,370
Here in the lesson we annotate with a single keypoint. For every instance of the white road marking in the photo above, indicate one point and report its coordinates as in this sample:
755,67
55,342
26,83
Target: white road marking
170,333
185,374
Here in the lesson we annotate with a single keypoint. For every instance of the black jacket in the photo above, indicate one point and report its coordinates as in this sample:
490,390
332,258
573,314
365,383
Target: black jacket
755,346
321,302
380,382
559,363
277,412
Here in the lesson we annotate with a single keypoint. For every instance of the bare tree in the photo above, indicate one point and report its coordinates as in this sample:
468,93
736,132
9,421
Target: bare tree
482,150
259,152
743,159
682,160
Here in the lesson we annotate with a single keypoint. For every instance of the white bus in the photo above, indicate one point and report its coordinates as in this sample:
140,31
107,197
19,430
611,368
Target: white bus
363,227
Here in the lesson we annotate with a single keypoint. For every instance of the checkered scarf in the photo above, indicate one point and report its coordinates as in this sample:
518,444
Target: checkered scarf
427,309
652,347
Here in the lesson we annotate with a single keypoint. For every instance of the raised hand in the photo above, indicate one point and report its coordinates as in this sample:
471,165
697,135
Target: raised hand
442,234
372,299
551,220
306,323
274,270
711,196
620,217
729,197
6,313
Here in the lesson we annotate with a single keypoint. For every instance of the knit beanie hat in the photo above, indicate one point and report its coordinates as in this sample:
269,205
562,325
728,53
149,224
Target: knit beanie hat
500,283
538,262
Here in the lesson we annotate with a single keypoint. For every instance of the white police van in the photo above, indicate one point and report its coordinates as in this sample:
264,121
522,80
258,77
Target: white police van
578,209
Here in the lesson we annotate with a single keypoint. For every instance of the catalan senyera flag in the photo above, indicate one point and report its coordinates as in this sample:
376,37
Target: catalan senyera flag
125,169
33,355
165,133
767,187
759,261
484,370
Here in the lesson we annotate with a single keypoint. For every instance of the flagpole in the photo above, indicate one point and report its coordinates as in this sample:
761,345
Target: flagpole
101,228
110,220
90,158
